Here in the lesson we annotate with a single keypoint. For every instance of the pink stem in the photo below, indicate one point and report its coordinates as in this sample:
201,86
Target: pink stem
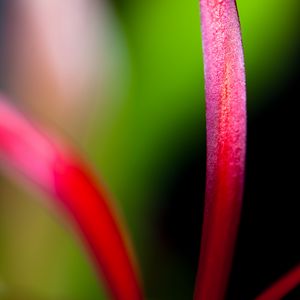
55,168
226,137
283,286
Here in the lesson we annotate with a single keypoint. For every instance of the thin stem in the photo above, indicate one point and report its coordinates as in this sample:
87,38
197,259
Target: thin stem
226,136
55,168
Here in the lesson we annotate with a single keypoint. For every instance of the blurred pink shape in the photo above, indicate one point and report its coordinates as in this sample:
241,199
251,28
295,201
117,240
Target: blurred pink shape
57,55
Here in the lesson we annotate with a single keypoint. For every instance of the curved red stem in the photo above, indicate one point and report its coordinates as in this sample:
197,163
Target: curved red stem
226,136
55,168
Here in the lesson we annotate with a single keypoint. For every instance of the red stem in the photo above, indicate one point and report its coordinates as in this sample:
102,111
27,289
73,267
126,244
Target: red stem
283,286
55,168
226,135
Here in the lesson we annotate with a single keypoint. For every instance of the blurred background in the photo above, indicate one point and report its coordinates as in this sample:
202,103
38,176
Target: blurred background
123,80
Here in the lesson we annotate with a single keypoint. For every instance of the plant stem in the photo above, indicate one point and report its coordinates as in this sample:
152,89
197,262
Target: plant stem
283,286
55,168
226,139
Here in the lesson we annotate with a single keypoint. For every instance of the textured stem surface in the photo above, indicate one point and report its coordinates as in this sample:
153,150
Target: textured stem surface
55,168
226,135
283,286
